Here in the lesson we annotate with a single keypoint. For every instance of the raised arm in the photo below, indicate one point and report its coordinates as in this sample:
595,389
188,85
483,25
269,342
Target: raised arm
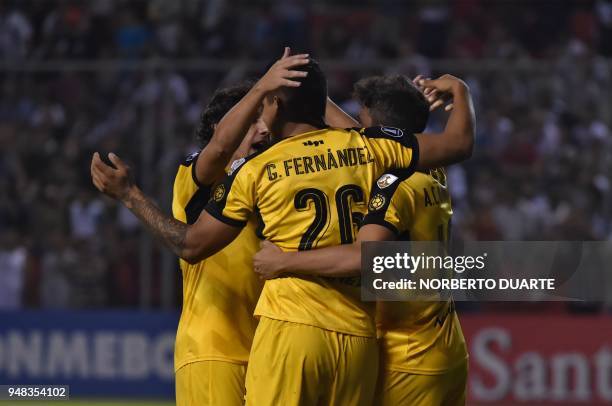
216,155
237,121
456,142
340,261
190,242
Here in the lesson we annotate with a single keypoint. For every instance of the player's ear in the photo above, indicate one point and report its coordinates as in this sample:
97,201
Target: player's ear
277,104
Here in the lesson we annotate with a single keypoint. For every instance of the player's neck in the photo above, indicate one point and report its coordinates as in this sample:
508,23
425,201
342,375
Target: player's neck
290,129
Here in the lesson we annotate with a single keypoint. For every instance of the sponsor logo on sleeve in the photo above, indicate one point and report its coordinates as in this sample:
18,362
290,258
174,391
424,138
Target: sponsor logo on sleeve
235,165
386,180
392,132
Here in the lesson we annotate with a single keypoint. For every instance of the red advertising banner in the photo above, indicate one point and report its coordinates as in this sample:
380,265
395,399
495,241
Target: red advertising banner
539,359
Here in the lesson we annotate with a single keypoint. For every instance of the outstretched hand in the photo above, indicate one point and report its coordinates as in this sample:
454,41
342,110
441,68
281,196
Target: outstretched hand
283,71
114,182
268,262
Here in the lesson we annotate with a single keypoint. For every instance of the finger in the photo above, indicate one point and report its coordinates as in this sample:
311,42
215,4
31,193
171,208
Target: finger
428,83
97,182
418,82
98,178
291,58
429,90
436,104
432,95
448,107
301,58
291,83
91,165
98,186
296,74
95,157
286,52
97,163
416,79
116,161
296,62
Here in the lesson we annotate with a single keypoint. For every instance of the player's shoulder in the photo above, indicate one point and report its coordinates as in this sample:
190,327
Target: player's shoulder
245,165
186,169
426,179
381,206
190,159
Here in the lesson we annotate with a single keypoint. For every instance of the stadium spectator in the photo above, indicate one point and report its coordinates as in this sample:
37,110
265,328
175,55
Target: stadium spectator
12,270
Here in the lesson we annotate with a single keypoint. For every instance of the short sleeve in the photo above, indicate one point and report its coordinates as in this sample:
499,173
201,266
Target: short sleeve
393,148
233,199
188,196
391,205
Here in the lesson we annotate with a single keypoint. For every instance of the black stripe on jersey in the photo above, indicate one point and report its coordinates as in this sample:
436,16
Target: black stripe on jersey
376,215
216,214
196,204
215,208
193,171
405,138
190,158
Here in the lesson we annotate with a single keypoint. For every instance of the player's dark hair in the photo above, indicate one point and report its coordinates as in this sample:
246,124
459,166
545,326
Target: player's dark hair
220,103
394,101
306,104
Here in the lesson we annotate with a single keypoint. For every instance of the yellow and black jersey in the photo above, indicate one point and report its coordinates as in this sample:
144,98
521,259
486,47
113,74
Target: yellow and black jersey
422,337
219,293
310,191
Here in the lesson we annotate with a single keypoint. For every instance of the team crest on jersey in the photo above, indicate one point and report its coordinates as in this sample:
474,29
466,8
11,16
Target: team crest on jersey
392,132
235,165
377,202
386,180
219,193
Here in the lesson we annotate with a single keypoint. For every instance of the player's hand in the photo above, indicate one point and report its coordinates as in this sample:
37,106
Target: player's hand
435,98
282,72
268,262
446,84
114,182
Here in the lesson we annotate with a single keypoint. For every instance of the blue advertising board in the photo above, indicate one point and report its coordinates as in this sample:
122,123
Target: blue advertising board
97,353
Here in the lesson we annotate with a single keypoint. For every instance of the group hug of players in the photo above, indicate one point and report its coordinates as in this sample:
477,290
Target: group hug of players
284,171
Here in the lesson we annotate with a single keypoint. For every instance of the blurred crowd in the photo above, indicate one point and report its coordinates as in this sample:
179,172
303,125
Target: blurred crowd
541,170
